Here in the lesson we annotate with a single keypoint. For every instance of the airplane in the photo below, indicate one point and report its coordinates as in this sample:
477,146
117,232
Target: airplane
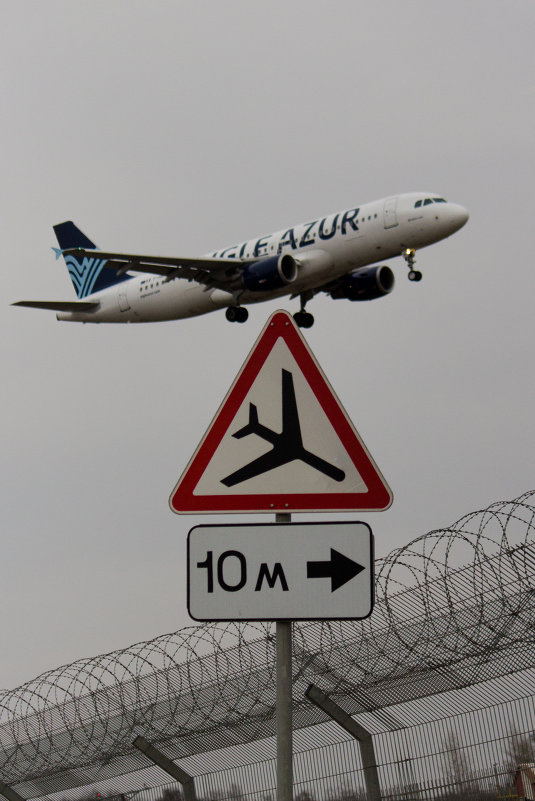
287,446
336,254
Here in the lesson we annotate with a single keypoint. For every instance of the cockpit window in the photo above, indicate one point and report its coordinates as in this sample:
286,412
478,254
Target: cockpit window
428,201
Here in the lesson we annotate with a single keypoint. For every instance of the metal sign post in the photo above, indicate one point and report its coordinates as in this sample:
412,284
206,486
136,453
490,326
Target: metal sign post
283,633
317,462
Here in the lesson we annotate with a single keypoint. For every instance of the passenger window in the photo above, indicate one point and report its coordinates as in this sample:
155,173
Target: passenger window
417,204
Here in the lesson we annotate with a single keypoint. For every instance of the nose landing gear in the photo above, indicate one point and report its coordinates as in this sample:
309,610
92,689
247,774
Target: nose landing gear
409,256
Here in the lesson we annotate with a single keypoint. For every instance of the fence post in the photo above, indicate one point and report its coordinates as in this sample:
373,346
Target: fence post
367,751
8,793
170,767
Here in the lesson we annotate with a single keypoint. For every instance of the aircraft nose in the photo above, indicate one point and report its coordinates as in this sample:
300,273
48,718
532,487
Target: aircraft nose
459,215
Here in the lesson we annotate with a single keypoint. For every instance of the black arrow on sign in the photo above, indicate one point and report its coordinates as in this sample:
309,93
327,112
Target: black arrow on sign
340,569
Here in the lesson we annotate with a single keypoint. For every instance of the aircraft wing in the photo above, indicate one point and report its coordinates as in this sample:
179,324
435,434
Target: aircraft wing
221,273
268,461
60,305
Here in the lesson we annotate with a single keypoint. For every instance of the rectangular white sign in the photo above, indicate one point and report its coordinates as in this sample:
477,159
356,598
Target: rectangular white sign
280,571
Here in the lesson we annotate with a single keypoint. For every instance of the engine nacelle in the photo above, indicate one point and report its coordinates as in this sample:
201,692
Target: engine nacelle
271,273
367,283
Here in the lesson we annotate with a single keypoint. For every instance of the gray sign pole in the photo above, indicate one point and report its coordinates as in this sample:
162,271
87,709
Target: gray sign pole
284,701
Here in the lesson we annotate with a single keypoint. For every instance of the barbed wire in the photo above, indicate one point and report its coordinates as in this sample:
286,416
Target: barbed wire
453,608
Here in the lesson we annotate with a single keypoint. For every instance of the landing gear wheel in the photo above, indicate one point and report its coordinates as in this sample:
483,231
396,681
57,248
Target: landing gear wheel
236,314
304,319
408,255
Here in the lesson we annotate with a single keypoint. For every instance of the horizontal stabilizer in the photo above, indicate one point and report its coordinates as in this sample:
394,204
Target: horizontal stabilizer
59,305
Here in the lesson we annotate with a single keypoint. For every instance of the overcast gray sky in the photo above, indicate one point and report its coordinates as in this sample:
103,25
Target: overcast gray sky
177,128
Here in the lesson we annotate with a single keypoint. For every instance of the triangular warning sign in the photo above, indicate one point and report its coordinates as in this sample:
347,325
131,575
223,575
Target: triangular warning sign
281,440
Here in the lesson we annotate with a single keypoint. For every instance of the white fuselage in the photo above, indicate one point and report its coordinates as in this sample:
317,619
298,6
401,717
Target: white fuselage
324,249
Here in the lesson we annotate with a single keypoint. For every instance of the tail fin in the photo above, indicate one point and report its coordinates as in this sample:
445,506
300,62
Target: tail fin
252,425
88,273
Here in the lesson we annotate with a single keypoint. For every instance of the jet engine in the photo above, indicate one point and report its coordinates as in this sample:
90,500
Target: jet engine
367,283
270,273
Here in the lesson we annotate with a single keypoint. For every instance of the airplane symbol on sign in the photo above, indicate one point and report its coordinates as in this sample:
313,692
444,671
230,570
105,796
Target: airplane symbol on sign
287,446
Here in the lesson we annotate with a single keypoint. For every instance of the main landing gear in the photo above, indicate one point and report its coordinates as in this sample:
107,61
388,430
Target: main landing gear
236,314
303,318
408,255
